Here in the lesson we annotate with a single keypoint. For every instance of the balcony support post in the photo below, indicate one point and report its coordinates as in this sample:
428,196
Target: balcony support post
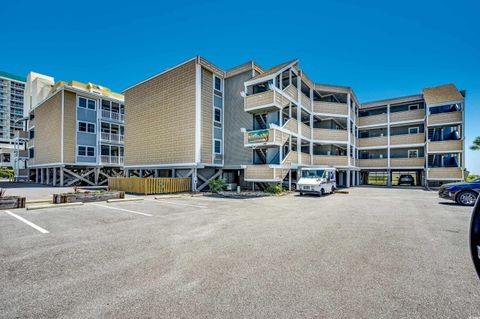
48,175
347,173
61,177
54,182
36,176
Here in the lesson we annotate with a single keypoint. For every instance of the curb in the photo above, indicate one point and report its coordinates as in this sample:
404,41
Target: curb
53,206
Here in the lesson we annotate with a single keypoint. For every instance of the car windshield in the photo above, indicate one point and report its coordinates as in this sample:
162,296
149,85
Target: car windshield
311,173
476,180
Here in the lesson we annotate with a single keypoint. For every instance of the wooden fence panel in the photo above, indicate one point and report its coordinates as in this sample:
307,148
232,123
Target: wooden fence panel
150,186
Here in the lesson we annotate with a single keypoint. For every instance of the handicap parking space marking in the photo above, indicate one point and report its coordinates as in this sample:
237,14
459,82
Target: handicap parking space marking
29,223
122,209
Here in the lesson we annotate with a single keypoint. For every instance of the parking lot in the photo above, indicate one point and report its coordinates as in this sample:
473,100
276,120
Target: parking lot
374,252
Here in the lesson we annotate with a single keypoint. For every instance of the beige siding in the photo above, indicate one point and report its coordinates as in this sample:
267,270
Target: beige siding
207,116
445,172
377,162
330,160
445,146
407,116
292,91
48,131
258,100
441,94
160,119
373,119
70,127
306,102
372,141
306,130
407,139
330,108
449,117
330,135
407,162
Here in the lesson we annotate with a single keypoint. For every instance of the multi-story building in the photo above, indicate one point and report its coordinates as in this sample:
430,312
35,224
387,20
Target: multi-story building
255,126
420,135
12,91
76,133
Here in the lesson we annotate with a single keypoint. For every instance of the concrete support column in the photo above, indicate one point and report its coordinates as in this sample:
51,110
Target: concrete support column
194,180
347,184
156,173
358,178
37,178
173,172
290,180
54,177
389,178
42,176
61,177
140,172
48,175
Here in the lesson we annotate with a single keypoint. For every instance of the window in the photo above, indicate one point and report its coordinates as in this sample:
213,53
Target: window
31,134
86,127
31,152
412,153
217,101
413,130
218,84
88,151
218,115
87,103
218,147
413,107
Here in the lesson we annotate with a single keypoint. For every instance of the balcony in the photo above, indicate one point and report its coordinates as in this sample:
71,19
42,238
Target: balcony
323,134
291,158
292,91
266,101
404,116
372,119
291,125
330,108
112,138
448,173
306,130
330,160
266,137
305,159
374,162
306,102
407,162
264,173
445,146
372,141
404,139
111,160
445,118
113,116
23,154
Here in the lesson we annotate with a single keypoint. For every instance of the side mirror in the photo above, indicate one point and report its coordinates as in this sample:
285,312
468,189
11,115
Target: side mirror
475,236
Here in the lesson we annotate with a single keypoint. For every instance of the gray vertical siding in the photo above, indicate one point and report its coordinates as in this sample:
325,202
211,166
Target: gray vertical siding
235,119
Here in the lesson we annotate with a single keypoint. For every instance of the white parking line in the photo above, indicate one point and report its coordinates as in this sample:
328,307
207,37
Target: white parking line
29,223
122,209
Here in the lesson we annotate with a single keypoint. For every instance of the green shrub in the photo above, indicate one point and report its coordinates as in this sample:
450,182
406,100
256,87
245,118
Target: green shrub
6,172
277,189
216,185
471,177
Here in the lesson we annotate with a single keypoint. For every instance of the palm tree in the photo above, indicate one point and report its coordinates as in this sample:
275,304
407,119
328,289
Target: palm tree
476,144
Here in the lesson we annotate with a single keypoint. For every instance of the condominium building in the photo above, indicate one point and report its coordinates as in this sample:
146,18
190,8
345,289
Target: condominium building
255,127
76,133
420,135
12,89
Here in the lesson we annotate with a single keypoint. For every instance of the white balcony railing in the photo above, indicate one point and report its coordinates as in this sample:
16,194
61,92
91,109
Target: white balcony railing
115,116
111,137
111,160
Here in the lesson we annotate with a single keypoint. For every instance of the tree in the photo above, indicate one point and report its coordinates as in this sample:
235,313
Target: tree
476,144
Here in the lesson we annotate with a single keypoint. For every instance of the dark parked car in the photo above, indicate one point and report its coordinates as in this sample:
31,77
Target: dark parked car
464,193
406,179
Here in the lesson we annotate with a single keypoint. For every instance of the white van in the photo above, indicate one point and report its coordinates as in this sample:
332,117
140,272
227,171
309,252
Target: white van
317,180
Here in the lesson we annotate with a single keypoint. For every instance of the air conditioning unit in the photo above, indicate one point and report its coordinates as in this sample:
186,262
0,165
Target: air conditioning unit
231,186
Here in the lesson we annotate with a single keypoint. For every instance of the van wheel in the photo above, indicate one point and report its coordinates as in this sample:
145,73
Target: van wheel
301,194
332,190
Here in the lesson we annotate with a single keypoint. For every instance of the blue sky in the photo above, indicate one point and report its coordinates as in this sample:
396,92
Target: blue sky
382,49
